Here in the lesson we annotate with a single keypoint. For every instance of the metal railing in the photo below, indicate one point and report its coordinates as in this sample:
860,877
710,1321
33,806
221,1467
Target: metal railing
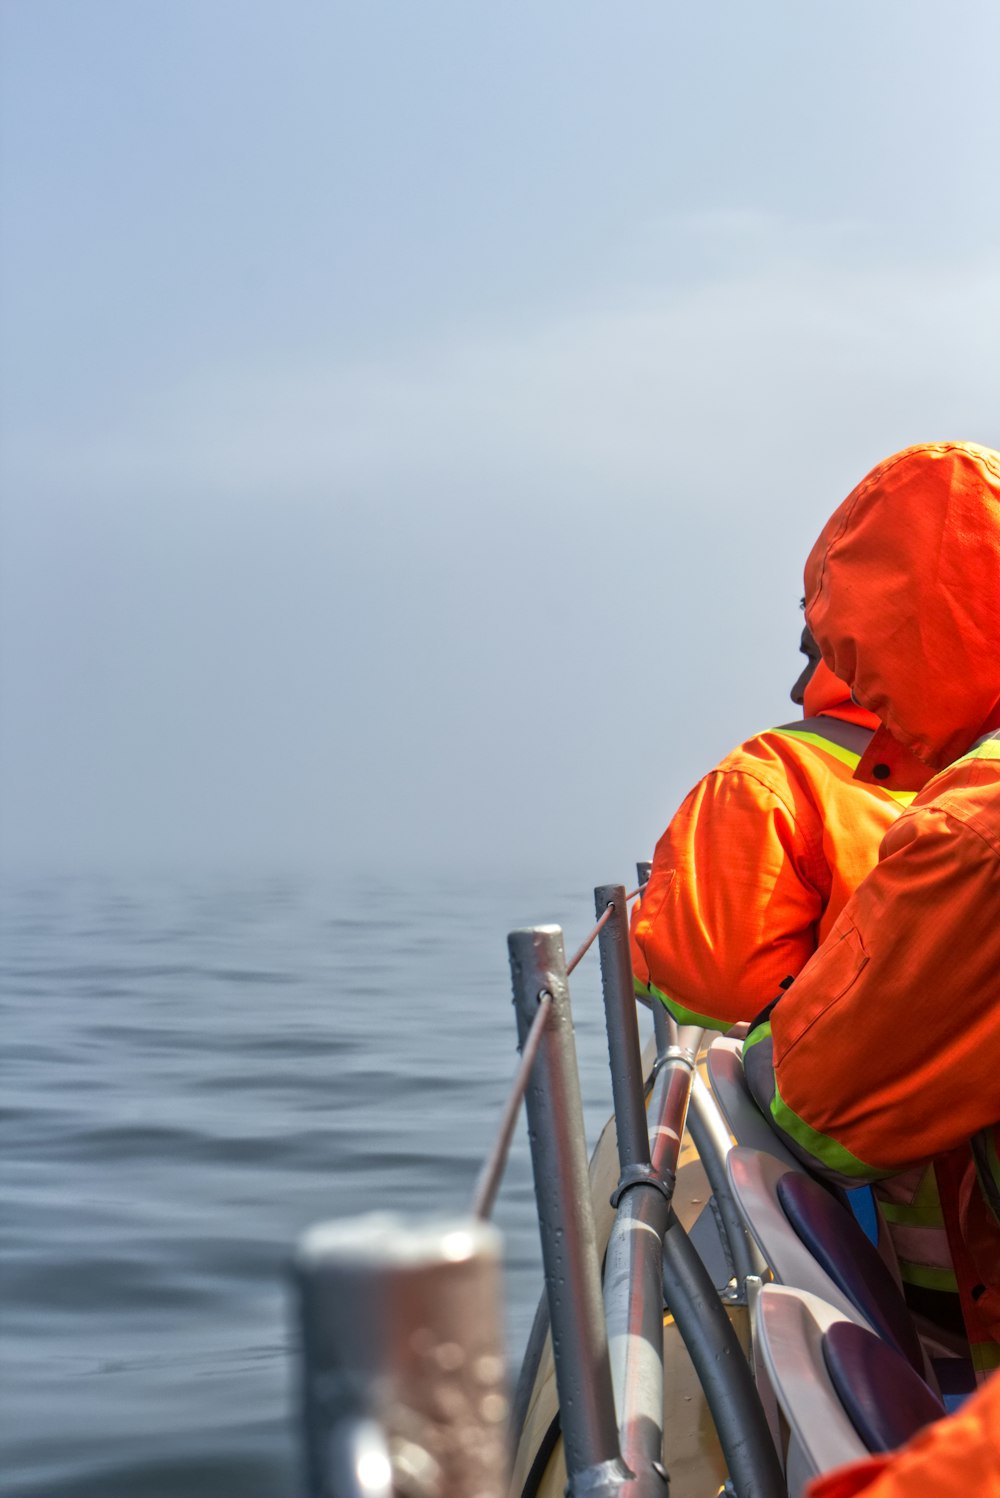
370,1293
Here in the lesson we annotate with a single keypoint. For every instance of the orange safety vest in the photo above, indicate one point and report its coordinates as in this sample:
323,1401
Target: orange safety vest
883,1054
758,861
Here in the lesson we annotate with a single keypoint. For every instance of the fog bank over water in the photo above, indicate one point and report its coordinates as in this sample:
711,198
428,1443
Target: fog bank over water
411,438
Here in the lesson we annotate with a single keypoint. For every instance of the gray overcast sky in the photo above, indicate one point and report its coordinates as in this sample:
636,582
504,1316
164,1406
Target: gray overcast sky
415,416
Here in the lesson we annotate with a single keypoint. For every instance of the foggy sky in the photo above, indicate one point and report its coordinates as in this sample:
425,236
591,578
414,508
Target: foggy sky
415,417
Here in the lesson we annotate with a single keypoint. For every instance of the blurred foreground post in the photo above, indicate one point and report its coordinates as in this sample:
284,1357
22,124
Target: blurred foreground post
404,1387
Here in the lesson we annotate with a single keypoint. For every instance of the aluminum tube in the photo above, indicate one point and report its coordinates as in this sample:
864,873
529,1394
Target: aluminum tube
633,1285
664,1028
668,1110
711,1138
633,1299
566,1217
403,1375
722,1369
623,1031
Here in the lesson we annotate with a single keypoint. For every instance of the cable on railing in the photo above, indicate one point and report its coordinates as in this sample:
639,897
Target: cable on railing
585,947
488,1182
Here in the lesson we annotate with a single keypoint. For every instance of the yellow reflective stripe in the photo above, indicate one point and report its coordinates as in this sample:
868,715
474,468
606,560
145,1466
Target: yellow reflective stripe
989,749
837,751
985,1356
903,797
823,1147
927,1193
929,1216
927,1277
688,1016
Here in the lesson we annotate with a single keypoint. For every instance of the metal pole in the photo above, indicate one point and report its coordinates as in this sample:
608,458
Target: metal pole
664,1025
633,1278
722,1369
403,1375
566,1219
623,1031
711,1138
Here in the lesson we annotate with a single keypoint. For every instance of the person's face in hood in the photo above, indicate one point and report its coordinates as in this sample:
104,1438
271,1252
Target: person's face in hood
903,596
808,648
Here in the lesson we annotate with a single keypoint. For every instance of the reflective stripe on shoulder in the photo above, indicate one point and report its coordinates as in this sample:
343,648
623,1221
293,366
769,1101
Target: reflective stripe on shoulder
845,756
988,747
836,751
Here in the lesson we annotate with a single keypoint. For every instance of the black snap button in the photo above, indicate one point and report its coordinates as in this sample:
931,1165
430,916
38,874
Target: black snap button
881,772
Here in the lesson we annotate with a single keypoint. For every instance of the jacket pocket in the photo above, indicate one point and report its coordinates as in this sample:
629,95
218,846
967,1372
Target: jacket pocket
823,982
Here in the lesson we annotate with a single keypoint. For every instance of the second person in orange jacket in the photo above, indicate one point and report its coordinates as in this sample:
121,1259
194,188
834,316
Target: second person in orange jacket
755,866
884,1053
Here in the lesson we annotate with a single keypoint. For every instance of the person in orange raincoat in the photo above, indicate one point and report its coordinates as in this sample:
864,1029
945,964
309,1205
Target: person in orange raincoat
884,1052
757,862
953,1458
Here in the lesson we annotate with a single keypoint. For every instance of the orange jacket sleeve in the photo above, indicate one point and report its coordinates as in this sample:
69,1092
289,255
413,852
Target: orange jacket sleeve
883,1053
738,887
953,1458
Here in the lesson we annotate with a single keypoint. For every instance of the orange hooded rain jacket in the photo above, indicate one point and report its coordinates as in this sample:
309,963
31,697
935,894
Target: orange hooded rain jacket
758,861
885,1053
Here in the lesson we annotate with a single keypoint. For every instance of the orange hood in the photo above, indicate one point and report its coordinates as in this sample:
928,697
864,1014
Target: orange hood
903,597
826,693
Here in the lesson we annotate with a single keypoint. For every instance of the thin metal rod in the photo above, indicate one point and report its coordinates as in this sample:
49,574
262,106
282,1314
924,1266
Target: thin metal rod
491,1174
722,1369
711,1139
566,1217
585,947
624,1053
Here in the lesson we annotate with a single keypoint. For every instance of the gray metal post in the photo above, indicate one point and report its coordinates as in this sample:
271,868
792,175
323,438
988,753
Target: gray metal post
403,1381
566,1218
664,1026
633,1279
623,1031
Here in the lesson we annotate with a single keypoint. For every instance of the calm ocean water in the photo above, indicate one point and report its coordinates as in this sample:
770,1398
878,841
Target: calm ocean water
194,1071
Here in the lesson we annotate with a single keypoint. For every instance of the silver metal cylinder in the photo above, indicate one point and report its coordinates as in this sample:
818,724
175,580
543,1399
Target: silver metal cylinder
565,1216
623,1031
403,1379
710,1133
633,1285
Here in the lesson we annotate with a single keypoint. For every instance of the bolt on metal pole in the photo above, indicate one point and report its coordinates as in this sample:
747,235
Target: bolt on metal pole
403,1374
623,1031
566,1219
